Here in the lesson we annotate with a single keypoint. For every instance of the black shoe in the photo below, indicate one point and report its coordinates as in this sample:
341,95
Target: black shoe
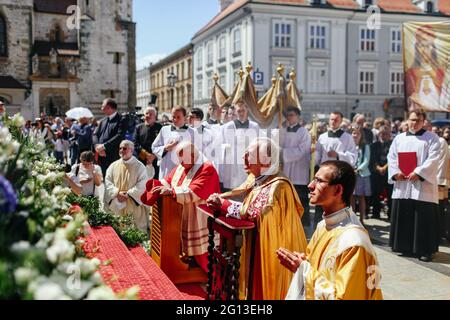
425,258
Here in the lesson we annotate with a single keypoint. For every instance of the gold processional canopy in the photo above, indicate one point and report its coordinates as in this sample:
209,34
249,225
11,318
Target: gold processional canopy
279,97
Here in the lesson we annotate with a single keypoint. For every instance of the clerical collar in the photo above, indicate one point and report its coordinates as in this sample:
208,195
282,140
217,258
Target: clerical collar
184,127
242,125
335,134
332,220
112,116
417,134
293,128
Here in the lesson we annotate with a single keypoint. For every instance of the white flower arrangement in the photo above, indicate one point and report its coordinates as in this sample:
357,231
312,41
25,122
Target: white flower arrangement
50,266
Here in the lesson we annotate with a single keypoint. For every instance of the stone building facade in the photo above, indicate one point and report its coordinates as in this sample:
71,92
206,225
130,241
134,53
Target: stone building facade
171,80
62,54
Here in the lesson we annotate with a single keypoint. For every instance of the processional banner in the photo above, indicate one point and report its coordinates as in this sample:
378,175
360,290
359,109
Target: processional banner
427,65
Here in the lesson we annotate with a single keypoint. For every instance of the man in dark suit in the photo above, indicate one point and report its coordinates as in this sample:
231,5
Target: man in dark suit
144,136
109,134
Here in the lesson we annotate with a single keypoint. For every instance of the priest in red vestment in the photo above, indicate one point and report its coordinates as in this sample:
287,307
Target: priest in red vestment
190,184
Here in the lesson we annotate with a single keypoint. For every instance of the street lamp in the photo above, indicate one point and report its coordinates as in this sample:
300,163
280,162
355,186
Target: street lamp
171,80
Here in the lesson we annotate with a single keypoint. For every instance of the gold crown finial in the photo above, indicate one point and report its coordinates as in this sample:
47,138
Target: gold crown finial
280,69
274,80
293,75
216,77
241,73
249,67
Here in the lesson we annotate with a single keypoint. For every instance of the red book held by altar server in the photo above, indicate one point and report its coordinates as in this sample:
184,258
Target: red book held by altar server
407,162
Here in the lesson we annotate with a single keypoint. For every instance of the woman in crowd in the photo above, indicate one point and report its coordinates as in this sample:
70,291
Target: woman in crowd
363,188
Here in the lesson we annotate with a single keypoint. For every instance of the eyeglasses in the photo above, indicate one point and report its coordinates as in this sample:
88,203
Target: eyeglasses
123,148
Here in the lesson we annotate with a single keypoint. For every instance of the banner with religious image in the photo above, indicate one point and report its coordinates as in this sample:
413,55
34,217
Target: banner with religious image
427,65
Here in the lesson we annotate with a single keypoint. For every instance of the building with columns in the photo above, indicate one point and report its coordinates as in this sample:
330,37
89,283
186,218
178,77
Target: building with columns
171,80
342,63
61,54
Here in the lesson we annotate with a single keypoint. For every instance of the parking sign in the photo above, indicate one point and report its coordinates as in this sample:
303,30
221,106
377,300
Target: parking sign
258,78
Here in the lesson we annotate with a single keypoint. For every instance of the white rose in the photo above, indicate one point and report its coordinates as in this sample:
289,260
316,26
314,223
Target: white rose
101,293
132,293
24,276
20,247
67,218
20,164
18,121
96,278
51,176
48,291
50,223
60,251
87,267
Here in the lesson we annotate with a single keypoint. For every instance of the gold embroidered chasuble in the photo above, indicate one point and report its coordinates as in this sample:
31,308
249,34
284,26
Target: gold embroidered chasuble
341,263
277,211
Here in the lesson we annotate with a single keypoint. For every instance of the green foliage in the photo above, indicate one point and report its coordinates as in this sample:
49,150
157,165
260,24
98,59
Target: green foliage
7,286
124,226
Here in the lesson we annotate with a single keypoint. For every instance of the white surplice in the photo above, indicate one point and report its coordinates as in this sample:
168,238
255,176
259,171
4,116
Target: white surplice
296,155
234,143
169,160
344,146
428,149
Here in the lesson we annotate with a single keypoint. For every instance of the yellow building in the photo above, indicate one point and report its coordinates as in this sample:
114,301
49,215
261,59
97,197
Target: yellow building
171,80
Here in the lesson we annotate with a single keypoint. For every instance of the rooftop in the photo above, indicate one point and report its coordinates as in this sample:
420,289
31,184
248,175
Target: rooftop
393,6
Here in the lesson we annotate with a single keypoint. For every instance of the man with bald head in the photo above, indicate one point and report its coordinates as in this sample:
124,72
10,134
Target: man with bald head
190,183
270,200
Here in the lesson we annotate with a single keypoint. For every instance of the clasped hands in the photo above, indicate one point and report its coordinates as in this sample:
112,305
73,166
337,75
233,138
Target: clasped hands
122,196
290,260
413,177
163,191
215,201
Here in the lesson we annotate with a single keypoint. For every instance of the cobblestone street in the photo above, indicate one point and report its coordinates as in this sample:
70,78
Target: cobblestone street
407,278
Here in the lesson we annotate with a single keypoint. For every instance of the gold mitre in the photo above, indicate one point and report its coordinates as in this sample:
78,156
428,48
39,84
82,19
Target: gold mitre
273,102
218,98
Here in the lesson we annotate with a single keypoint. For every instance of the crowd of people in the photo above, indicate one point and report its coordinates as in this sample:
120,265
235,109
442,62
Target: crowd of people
247,172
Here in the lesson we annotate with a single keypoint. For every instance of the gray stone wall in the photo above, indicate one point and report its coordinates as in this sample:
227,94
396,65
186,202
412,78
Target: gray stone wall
18,16
100,40
45,24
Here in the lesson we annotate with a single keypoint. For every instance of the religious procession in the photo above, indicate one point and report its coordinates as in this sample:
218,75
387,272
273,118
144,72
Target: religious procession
247,195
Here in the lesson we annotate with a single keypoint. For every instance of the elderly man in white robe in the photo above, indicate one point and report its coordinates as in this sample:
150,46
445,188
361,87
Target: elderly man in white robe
125,183
413,169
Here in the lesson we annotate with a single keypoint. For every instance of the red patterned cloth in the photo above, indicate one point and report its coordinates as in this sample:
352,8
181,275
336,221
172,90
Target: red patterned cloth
128,267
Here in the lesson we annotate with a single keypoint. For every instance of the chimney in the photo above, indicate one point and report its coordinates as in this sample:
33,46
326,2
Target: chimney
225,4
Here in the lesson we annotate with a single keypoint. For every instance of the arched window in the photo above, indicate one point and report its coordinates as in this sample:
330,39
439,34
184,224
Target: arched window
430,7
3,38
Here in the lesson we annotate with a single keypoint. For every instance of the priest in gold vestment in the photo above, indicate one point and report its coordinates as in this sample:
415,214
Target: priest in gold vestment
124,184
273,204
340,262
